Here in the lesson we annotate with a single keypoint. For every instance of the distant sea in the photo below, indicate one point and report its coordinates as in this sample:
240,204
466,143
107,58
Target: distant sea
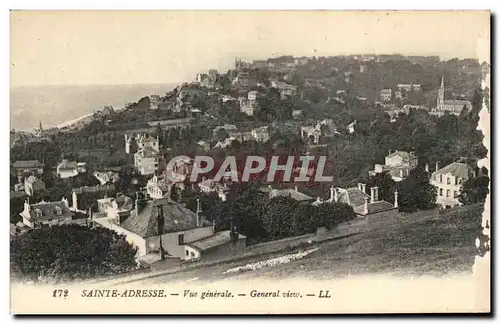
55,105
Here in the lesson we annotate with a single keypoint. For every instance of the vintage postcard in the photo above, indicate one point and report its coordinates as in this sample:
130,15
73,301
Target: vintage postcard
249,162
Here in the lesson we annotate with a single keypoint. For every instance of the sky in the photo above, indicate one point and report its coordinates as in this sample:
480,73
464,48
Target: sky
129,47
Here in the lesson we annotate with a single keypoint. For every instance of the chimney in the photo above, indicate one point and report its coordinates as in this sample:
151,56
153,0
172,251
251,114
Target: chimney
65,201
363,187
396,199
437,165
332,193
365,210
360,186
198,211
213,226
427,167
374,194
401,173
336,196
296,189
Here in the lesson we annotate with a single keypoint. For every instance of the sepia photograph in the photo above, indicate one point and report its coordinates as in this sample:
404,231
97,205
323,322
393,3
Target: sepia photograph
249,162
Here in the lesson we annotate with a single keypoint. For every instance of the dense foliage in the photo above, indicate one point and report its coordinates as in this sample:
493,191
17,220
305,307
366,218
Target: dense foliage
71,252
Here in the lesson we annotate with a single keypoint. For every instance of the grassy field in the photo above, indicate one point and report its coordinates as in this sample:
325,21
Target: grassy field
425,242
415,244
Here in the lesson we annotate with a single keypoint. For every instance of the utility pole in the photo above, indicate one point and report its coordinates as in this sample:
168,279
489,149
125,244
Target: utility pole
160,220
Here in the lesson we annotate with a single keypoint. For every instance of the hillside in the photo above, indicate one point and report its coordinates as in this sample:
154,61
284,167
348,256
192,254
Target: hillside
426,242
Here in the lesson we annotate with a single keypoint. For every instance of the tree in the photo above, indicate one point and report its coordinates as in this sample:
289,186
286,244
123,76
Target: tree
174,193
306,219
277,217
475,190
386,186
415,192
70,252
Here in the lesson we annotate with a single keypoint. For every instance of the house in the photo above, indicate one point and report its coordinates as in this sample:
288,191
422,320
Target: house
26,168
247,106
252,95
226,127
261,134
286,90
226,98
296,113
225,143
158,186
106,177
365,205
310,132
146,161
182,233
398,164
293,193
204,145
213,74
18,229
32,184
243,79
449,182
85,198
386,95
154,102
46,213
113,208
68,169
209,185
327,125
142,141
409,87
351,128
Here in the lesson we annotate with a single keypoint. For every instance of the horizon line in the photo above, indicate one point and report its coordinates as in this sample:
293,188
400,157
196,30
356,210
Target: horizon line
94,84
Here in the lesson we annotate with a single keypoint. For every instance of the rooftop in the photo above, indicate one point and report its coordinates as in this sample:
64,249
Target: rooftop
402,154
176,218
376,207
28,164
459,170
32,179
352,196
295,194
85,189
217,239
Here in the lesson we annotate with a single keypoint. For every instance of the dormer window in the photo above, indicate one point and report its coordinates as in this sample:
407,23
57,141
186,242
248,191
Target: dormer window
58,210
38,212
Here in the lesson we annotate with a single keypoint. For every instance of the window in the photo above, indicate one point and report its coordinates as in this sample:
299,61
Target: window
441,178
187,253
181,239
441,192
448,181
192,254
459,181
448,193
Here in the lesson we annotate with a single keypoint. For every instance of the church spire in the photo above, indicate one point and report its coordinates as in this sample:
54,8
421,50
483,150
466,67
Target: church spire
442,81
40,124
